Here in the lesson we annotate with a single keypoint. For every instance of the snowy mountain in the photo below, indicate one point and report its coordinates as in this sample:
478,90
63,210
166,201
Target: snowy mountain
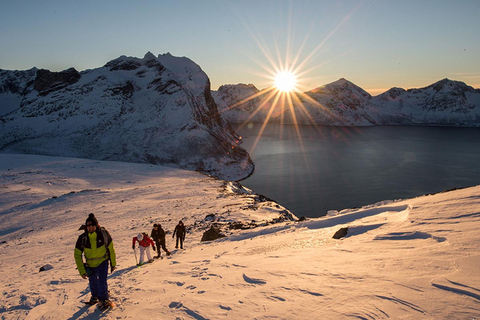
234,103
154,110
447,102
400,259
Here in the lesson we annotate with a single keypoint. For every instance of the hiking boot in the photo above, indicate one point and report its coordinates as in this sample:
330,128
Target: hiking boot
105,304
93,300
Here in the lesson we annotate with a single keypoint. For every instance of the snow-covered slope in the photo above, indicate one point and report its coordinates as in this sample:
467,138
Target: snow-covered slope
405,259
447,102
155,110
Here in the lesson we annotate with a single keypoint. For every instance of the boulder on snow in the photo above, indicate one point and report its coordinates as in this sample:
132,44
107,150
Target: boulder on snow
46,267
210,217
212,234
342,232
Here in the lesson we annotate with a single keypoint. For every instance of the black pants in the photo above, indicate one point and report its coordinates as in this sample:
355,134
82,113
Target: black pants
162,245
180,239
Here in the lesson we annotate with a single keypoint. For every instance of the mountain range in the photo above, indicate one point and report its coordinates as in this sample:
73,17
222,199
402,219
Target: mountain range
161,110
342,103
153,110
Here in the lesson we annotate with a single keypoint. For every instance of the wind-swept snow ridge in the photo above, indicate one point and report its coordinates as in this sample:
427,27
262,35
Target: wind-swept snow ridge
154,110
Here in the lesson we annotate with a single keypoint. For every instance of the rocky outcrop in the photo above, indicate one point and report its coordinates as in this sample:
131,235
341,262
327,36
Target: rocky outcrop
47,81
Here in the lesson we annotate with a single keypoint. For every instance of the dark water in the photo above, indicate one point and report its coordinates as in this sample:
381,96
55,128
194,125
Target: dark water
333,168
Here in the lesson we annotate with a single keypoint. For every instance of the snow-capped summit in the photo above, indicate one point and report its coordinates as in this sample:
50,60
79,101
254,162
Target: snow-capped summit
342,87
150,109
236,101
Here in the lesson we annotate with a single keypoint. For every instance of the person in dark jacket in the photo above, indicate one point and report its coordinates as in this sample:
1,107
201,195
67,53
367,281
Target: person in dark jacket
158,235
180,232
97,246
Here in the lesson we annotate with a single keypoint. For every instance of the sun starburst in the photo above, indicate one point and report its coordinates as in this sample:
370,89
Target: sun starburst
285,81
283,98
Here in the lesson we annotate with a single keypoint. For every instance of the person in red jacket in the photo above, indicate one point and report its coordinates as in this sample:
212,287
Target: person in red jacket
144,243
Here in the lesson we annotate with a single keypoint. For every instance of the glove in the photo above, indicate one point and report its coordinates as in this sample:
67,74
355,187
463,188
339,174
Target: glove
154,249
112,268
133,247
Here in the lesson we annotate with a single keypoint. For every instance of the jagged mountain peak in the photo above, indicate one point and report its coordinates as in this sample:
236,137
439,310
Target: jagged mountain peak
149,56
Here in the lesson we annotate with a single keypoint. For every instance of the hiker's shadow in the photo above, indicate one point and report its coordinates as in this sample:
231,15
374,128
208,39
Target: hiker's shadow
83,313
120,272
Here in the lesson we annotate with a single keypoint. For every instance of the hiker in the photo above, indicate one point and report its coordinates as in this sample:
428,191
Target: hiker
144,243
158,235
180,231
97,246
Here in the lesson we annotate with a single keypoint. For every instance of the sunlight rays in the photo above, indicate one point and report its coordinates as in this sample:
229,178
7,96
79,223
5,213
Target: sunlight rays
283,101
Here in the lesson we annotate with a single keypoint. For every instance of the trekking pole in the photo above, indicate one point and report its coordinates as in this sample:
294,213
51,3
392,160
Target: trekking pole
135,252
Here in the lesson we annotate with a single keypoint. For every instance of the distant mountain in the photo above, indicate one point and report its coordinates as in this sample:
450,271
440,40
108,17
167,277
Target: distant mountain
157,110
342,103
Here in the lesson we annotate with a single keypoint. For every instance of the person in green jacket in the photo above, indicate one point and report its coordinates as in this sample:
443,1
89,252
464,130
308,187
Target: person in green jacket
97,246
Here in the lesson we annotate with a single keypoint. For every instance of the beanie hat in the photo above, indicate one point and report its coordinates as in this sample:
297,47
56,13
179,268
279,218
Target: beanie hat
91,218
140,237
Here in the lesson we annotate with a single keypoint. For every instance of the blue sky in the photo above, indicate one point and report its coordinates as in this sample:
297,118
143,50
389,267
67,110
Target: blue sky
375,44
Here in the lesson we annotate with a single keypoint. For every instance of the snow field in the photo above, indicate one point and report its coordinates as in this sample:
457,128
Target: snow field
401,259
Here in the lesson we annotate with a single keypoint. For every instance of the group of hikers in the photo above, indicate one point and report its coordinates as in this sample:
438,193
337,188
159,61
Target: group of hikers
97,246
158,235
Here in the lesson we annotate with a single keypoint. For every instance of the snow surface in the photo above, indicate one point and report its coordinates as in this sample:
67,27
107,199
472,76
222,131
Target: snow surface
403,259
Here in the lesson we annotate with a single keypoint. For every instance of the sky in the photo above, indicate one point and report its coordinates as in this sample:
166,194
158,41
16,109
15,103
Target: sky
375,44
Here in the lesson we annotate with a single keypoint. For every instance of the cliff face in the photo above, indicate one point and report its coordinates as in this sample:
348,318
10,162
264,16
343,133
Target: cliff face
156,109
342,103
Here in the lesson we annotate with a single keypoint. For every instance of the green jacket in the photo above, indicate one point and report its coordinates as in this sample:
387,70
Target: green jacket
96,247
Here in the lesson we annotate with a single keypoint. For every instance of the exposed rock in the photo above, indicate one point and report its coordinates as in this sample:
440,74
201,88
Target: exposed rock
47,81
342,232
212,234
46,267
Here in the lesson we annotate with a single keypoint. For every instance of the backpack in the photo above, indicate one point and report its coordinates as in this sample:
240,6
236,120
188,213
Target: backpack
104,235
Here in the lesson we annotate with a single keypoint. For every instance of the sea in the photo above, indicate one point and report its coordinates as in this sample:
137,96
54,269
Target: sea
314,169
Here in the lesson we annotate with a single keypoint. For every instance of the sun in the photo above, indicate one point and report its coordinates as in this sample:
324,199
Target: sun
285,81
